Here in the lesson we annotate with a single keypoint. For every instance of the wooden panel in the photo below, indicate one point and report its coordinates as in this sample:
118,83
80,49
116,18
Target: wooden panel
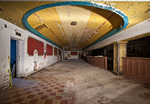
55,51
49,50
137,68
73,53
96,61
35,44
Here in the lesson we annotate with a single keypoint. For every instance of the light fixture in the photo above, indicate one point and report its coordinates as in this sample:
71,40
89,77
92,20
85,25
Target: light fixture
73,23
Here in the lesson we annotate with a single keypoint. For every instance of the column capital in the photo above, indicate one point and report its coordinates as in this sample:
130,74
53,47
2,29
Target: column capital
114,43
123,42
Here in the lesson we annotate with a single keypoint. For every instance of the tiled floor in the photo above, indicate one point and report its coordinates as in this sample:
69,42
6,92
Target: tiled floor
39,88
75,82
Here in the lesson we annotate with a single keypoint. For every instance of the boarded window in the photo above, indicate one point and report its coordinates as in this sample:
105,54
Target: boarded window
35,44
55,51
49,50
73,53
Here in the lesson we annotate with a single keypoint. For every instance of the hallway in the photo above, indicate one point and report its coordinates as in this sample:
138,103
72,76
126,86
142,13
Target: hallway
75,82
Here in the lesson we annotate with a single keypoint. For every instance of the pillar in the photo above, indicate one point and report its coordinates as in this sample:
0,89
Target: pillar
120,50
115,62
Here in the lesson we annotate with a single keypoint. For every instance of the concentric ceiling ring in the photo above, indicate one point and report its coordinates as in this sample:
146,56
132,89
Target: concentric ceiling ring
79,3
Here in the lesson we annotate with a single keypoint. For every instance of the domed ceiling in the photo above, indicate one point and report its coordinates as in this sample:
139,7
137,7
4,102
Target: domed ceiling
74,25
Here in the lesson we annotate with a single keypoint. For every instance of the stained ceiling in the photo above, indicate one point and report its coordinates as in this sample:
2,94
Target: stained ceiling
74,26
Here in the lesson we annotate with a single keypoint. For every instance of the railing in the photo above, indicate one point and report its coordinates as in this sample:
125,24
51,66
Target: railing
137,68
96,61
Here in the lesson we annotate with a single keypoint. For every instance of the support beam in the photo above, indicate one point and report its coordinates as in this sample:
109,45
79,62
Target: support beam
120,50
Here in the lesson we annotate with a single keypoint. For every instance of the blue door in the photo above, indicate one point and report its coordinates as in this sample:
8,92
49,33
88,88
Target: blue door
13,56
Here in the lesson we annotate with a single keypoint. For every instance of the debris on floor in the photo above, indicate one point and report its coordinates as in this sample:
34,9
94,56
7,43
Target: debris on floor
75,83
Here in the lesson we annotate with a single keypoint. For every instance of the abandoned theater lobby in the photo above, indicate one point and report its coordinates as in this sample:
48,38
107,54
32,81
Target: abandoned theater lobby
74,52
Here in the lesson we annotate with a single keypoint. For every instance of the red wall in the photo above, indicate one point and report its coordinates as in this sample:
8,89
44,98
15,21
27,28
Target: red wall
49,50
35,44
73,53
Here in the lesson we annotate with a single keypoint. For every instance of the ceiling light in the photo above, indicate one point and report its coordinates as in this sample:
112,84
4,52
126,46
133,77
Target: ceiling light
73,23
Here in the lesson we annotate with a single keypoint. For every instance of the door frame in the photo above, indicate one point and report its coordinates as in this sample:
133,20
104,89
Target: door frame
19,56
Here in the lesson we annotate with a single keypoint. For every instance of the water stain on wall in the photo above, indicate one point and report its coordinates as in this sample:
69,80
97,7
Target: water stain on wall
4,66
41,64
48,62
1,27
5,78
27,70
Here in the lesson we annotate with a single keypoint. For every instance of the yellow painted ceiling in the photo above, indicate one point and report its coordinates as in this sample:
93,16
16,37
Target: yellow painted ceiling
54,22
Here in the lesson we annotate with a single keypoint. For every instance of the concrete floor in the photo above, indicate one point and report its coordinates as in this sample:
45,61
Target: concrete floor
75,82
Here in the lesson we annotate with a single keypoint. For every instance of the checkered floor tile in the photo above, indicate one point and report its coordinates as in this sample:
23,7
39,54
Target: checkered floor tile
47,90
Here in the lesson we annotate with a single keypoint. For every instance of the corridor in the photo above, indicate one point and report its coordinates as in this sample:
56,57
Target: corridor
75,82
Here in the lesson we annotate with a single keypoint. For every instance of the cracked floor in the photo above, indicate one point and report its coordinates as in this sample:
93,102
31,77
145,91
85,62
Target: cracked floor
75,82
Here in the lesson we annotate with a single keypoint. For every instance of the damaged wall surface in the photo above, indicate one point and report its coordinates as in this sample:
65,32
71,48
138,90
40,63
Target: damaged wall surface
26,63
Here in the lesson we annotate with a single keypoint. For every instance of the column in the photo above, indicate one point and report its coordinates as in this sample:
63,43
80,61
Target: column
120,50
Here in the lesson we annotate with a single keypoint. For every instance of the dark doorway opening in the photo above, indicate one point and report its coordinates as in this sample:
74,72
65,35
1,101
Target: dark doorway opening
108,52
139,47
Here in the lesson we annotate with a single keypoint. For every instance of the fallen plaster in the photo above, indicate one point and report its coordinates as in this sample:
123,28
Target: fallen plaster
91,85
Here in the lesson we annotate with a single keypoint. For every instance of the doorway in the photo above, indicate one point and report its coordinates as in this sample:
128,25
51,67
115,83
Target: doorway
13,57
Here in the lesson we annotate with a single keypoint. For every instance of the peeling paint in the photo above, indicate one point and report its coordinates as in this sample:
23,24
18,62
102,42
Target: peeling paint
113,4
50,10
56,21
95,5
4,80
41,64
60,27
39,18
27,70
62,32
68,13
4,66
2,28
48,62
